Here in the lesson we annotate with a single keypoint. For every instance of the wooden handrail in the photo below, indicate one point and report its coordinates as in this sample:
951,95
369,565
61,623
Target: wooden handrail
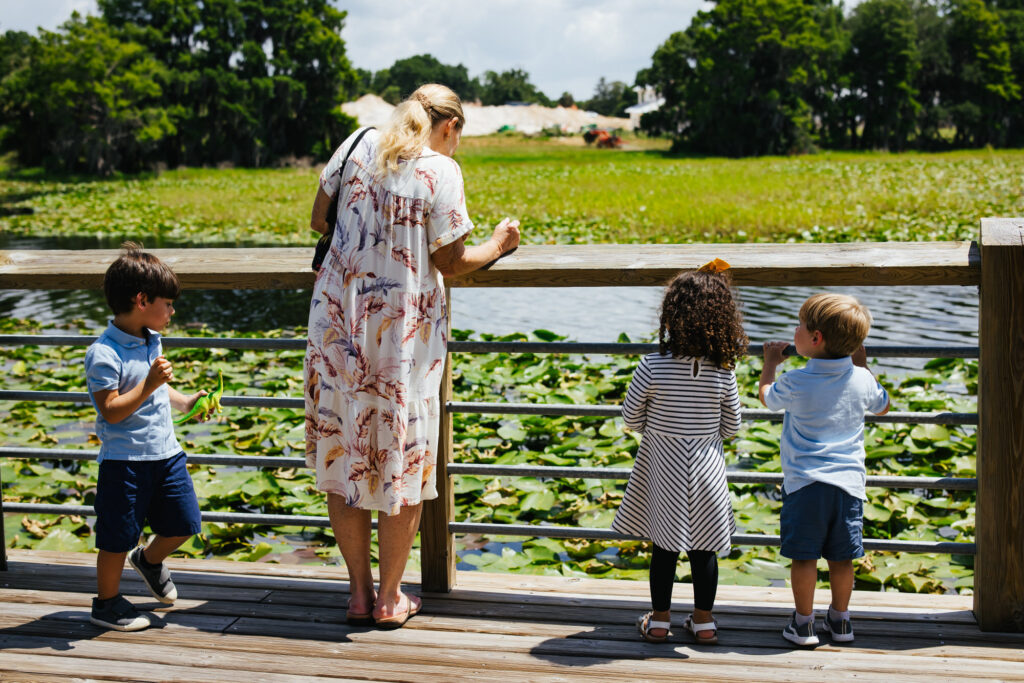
997,265
598,265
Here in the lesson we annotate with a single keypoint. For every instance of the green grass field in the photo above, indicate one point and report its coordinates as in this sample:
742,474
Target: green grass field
562,193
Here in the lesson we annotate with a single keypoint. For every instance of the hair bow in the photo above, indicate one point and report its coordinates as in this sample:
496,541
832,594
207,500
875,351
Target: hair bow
715,266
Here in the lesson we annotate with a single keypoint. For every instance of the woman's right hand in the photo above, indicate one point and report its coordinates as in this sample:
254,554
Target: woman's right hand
506,235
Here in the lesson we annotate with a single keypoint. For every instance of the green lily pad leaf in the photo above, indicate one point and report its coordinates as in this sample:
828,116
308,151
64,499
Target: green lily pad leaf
929,433
538,500
877,513
63,541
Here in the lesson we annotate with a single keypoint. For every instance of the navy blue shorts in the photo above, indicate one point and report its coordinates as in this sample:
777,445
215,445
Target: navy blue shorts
131,492
821,520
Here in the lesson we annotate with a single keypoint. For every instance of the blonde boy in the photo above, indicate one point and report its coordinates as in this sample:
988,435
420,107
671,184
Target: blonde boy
822,451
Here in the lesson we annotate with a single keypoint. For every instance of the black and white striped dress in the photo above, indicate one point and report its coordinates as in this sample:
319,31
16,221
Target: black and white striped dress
677,495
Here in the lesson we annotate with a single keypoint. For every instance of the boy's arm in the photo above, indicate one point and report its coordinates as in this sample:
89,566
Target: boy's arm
180,401
115,406
773,357
860,359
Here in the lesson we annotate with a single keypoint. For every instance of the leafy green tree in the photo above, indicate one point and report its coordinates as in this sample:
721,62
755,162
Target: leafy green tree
982,89
611,99
510,86
80,98
883,63
739,80
252,81
566,99
934,74
1011,13
410,73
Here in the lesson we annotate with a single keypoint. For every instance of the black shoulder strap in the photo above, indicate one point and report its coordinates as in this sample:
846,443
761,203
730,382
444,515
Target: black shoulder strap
355,144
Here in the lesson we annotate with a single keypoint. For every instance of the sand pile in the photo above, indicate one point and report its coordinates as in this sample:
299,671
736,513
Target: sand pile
371,110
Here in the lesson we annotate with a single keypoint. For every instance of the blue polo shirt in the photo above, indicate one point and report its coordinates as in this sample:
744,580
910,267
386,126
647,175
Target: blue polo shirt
118,360
823,430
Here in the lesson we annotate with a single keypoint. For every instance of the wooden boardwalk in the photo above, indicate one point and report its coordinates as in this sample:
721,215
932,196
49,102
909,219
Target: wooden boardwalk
266,622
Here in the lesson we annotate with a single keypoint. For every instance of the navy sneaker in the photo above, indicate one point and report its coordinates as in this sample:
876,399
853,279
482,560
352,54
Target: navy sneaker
118,614
804,635
156,577
840,629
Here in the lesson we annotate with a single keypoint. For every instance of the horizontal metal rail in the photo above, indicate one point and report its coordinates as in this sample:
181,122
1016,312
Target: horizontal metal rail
528,530
733,476
545,471
83,397
602,348
565,409
218,517
280,462
577,410
544,531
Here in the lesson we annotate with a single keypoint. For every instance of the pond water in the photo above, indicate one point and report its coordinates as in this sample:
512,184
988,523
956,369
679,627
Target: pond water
942,315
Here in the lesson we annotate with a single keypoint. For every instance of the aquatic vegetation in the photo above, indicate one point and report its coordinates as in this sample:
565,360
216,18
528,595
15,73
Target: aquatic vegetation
562,194
916,450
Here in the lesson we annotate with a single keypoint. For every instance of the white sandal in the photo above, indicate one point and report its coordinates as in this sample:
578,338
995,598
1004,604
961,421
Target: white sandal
695,628
645,622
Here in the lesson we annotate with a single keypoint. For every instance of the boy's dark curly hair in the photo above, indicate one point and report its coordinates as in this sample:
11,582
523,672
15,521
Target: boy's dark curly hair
700,318
137,271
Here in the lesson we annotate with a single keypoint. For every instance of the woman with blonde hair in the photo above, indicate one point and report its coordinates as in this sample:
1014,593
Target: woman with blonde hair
378,325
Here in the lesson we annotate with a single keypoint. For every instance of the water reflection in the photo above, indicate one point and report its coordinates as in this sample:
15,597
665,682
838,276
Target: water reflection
903,315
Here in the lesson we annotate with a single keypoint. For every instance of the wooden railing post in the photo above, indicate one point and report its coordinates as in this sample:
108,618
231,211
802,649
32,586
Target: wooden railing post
999,530
3,539
437,545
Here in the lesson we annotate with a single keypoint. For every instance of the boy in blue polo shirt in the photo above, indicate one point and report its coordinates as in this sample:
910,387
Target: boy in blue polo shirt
142,468
822,451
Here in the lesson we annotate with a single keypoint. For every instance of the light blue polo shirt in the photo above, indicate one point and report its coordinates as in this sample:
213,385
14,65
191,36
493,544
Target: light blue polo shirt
823,430
118,360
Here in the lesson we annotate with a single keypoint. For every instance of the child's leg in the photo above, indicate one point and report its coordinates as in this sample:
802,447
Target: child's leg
804,576
704,569
162,546
663,575
108,573
840,577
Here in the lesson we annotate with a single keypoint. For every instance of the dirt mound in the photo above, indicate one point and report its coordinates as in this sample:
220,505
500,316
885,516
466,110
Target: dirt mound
371,110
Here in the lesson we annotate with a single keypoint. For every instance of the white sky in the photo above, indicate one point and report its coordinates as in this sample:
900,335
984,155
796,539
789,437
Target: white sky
565,45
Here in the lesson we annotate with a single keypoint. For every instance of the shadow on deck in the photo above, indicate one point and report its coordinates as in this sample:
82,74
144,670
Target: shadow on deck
268,622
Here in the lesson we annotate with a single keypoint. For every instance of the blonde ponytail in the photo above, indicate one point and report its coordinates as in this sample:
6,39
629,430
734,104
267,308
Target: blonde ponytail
408,130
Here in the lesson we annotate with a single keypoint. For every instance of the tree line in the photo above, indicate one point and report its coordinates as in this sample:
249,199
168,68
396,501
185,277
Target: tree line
398,81
255,82
752,77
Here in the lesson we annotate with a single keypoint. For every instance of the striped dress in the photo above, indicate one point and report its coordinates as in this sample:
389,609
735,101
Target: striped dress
677,495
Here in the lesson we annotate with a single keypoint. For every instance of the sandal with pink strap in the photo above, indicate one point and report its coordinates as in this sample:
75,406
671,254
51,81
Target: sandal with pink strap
694,628
645,622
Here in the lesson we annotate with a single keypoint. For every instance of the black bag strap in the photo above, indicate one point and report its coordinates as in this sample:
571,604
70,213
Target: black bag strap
341,169
324,243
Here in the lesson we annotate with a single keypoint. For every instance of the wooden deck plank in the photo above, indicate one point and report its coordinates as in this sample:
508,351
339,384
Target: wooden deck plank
335,579
855,263
287,620
29,665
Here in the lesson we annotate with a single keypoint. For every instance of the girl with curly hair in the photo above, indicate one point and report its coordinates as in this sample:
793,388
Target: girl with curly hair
684,401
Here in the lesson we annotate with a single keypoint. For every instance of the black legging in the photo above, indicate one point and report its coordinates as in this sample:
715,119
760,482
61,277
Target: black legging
703,567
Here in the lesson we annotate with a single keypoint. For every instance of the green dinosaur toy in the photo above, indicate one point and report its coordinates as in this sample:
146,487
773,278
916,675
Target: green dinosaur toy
207,405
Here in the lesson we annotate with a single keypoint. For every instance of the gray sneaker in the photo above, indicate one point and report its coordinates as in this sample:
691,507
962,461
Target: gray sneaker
804,635
118,614
840,629
156,577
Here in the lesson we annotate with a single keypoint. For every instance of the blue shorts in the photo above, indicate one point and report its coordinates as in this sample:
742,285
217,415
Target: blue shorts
821,520
131,492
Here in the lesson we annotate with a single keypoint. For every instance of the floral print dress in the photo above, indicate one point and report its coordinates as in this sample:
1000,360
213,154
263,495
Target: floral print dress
378,325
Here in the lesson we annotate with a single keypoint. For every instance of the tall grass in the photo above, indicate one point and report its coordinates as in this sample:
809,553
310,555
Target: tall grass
563,193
